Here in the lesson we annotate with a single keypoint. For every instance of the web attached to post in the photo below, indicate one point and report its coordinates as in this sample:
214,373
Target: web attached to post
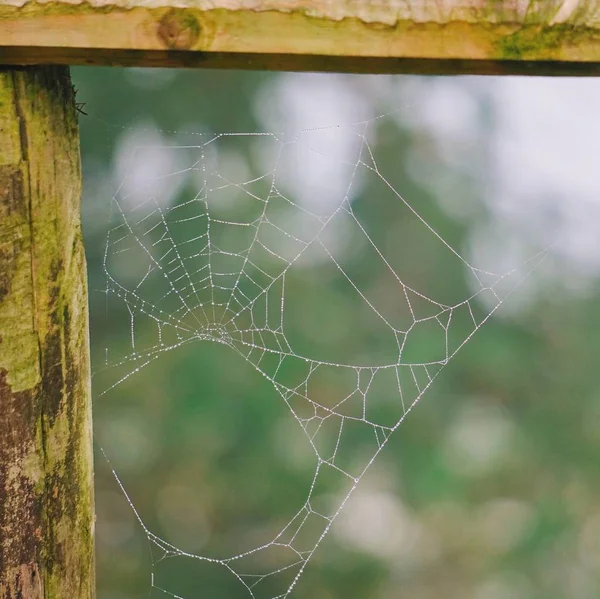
219,264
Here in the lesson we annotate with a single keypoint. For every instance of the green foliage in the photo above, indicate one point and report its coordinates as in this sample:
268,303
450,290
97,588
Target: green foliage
212,461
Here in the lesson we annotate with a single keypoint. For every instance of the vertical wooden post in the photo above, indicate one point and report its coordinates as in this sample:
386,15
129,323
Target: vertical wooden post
46,486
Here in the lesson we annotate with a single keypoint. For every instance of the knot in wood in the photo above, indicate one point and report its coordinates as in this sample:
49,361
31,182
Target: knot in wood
179,30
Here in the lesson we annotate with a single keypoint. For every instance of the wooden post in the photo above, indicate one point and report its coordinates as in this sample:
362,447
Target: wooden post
46,486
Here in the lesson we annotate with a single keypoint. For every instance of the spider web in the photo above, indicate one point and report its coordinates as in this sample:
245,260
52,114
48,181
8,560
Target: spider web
213,270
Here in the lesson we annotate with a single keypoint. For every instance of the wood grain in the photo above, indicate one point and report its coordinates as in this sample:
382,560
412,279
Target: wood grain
46,485
559,37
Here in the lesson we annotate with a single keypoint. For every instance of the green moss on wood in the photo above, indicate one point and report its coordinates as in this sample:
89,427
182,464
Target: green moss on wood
534,42
46,490
35,9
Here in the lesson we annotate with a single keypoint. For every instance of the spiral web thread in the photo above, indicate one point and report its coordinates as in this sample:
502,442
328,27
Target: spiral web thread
200,277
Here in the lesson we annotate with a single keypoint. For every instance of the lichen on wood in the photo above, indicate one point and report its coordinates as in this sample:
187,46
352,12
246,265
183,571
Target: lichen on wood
46,485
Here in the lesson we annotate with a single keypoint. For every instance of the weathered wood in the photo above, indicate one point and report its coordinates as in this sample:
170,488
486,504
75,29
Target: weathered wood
46,492
483,36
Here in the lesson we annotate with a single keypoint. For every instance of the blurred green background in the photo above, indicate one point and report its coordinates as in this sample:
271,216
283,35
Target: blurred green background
489,489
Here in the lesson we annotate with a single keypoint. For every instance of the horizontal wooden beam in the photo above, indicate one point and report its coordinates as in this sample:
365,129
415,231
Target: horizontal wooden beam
546,37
